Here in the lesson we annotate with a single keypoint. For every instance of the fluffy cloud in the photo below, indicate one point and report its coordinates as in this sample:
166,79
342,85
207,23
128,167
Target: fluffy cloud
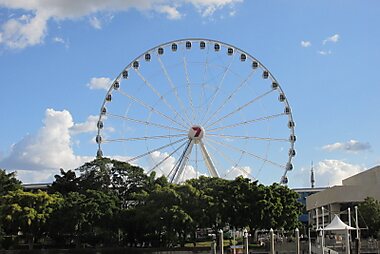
239,171
89,126
24,31
305,44
332,172
95,23
325,52
168,162
99,83
38,157
334,38
349,146
171,12
30,30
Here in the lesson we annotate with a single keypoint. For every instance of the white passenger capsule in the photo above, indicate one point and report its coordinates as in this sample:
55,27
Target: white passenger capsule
147,57
289,166
265,74
100,125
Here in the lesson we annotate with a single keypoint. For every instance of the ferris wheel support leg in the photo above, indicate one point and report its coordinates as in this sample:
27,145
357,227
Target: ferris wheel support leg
210,165
183,163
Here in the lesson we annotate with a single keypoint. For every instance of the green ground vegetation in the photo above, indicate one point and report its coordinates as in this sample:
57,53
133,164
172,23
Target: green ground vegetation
106,202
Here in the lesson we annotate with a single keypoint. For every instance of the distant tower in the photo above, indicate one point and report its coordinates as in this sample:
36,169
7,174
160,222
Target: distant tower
312,180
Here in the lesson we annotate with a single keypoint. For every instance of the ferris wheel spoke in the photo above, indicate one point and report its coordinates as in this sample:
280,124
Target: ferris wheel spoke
205,75
166,157
225,157
174,88
189,95
233,93
156,149
218,88
161,97
144,138
246,122
183,162
145,122
246,152
232,162
240,108
150,108
247,137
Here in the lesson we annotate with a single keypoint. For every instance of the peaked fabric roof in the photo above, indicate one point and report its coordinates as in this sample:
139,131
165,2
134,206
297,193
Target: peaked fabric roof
337,224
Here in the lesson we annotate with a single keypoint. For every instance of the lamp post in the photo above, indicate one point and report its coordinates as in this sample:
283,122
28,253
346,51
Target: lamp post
298,249
245,235
221,243
323,230
271,233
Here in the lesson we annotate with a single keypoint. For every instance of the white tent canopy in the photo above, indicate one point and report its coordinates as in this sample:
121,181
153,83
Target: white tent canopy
337,224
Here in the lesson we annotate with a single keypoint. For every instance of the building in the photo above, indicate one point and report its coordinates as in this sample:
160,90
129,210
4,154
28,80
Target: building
303,194
337,199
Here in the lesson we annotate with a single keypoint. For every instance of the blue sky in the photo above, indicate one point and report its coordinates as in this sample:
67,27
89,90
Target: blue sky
54,55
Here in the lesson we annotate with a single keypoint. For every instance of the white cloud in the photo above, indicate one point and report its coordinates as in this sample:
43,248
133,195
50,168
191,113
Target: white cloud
305,44
349,146
334,38
95,23
89,126
46,151
30,30
25,31
59,40
170,11
208,7
325,52
332,172
166,166
99,83
239,171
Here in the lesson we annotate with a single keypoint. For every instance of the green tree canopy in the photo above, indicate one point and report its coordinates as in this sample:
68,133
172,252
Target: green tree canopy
370,211
8,182
27,212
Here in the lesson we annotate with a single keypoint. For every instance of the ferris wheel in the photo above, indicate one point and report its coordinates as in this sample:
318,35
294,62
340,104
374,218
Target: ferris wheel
196,107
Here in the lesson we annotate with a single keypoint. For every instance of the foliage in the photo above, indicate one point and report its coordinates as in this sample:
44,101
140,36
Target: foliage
8,182
370,210
106,201
28,212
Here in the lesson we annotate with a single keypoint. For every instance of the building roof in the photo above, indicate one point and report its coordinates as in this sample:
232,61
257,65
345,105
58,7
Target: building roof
354,190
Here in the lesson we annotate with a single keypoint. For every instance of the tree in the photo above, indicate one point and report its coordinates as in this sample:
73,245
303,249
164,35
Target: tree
370,211
65,183
87,217
8,182
28,212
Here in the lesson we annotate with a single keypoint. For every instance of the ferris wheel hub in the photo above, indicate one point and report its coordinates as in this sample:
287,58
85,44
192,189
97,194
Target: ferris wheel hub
196,133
